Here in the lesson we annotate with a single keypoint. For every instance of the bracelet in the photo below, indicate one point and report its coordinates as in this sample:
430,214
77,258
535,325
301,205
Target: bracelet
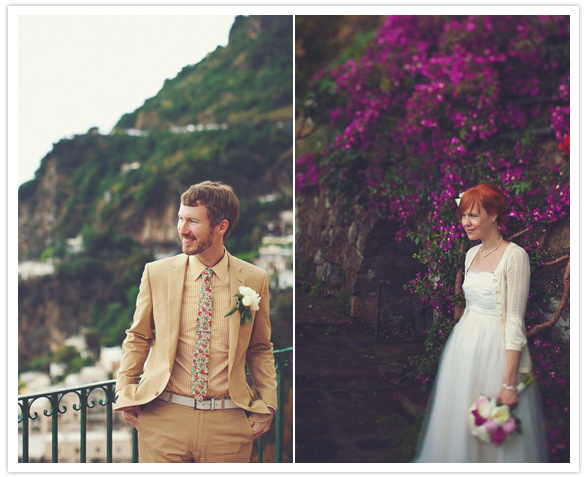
509,388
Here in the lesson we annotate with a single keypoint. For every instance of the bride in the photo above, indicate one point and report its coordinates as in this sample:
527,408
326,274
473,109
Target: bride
486,352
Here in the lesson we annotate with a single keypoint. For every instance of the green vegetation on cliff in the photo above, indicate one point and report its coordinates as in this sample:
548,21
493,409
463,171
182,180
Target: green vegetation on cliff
246,82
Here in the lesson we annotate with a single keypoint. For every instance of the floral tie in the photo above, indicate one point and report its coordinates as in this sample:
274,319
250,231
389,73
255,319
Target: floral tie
201,359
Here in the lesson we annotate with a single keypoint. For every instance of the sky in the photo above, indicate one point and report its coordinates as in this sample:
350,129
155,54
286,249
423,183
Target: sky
81,71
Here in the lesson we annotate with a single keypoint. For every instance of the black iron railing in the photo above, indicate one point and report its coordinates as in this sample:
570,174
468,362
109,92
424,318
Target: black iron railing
54,407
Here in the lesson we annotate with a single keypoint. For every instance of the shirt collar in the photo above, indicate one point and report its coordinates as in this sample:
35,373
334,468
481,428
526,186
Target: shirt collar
220,269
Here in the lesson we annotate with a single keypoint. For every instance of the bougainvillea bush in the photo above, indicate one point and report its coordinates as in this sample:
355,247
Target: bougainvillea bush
432,107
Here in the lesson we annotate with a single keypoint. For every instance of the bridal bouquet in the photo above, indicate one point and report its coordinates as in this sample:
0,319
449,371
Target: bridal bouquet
494,423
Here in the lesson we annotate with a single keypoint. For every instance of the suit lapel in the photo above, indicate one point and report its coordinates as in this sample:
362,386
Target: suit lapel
174,299
237,279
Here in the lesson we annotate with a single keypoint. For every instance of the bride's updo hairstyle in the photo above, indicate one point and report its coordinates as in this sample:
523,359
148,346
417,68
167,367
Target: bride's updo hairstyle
489,197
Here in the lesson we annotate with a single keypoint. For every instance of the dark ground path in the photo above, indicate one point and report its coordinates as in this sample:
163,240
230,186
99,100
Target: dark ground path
353,400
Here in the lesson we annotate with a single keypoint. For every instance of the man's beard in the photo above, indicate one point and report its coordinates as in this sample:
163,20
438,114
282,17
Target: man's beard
198,246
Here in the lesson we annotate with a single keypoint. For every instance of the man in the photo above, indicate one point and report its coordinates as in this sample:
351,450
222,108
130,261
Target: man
193,403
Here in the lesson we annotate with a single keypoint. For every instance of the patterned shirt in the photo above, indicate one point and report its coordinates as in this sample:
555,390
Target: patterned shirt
181,375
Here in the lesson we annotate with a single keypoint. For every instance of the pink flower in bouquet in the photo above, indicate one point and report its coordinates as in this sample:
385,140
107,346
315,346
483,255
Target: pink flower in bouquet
479,420
481,400
499,436
491,426
510,426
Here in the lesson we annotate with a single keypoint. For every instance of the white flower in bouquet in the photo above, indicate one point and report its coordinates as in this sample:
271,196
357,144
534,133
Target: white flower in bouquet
482,433
486,408
500,415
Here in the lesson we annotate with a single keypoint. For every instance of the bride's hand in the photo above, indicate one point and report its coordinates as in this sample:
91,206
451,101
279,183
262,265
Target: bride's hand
508,397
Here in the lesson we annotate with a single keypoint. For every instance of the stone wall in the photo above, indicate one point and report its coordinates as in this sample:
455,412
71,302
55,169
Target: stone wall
337,244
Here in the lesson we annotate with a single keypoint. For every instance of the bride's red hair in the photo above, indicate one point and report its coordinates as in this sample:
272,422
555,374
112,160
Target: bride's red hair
487,196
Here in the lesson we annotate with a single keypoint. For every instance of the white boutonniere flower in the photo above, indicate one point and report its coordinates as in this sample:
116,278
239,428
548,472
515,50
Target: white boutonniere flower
247,300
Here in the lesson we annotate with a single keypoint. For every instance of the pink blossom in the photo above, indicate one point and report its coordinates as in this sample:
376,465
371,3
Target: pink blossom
498,436
481,400
509,426
479,420
491,426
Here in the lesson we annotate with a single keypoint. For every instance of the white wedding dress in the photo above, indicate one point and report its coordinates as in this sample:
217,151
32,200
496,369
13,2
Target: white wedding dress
474,363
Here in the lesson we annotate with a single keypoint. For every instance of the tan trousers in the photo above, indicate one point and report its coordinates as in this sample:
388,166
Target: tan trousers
175,433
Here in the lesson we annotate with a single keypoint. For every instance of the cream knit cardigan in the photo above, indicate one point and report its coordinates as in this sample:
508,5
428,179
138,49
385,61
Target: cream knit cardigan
511,280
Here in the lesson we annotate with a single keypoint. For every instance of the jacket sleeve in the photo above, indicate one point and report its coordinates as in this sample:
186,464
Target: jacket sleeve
139,337
259,359
517,289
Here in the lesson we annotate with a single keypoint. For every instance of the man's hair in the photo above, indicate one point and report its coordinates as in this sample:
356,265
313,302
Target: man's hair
219,198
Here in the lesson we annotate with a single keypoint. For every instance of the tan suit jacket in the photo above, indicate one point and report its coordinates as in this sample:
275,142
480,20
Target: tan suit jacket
155,332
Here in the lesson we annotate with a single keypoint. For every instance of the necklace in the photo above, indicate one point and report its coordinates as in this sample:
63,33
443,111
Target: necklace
489,253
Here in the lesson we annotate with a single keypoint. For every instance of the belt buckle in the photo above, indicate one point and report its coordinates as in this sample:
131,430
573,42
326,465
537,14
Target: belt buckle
203,404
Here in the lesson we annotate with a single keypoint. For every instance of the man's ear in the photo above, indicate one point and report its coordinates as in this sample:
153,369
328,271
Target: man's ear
222,227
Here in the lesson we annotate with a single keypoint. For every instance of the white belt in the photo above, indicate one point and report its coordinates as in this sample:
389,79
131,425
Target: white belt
212,404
